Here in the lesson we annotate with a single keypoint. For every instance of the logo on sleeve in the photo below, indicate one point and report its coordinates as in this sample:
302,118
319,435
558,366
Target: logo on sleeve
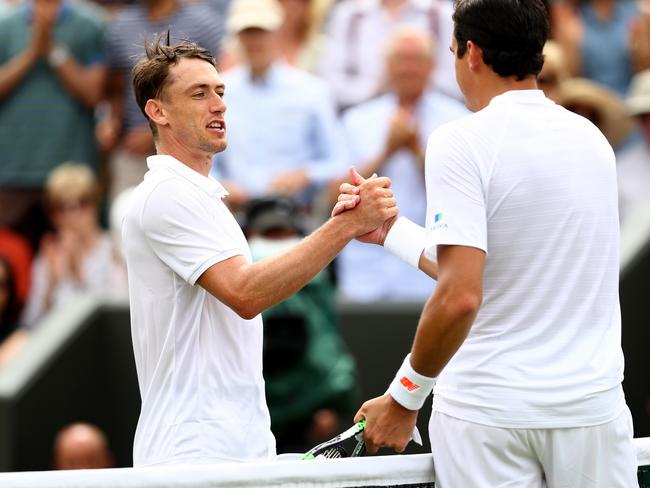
408,384
438,223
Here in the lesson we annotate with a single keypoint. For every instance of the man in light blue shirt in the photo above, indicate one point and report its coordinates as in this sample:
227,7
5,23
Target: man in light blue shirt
387,135
285,137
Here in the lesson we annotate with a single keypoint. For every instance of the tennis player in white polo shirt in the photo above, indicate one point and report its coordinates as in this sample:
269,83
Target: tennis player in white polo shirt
523,331
195,297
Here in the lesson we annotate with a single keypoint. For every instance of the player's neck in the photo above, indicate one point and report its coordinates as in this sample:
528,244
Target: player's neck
497,86
198,160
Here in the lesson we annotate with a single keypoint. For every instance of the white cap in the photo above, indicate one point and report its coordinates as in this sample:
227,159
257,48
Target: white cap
261,14
638,102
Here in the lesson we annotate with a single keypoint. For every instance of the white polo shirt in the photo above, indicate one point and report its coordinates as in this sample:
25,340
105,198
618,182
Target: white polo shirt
199,364
534,186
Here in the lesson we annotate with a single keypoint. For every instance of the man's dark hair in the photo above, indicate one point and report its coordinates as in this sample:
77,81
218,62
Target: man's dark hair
510,33
151,71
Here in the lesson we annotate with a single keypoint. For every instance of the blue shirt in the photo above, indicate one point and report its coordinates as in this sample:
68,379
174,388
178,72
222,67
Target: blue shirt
41,123
605,45
281,122
369,273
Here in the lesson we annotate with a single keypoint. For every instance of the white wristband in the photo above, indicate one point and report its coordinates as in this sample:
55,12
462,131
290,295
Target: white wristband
409,388
406,240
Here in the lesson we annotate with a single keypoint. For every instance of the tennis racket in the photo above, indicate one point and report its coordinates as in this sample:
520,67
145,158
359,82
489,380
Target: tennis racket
334,448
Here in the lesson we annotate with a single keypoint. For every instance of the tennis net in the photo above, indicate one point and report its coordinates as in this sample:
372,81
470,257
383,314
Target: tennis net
407,471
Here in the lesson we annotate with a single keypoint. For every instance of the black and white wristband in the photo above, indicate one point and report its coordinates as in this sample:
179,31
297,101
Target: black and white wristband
409,388
406,240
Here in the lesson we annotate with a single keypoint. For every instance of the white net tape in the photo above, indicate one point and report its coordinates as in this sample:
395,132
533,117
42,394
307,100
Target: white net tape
412,471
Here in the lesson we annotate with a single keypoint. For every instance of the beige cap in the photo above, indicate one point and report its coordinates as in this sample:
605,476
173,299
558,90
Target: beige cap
638,102
261,14
615,123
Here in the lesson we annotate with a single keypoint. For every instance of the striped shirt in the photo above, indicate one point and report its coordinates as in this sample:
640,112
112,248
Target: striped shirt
126,33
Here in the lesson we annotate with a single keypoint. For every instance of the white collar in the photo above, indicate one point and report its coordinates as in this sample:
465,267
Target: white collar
208,184
521,96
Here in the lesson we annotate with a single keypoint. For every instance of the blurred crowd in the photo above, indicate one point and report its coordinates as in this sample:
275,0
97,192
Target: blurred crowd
312,87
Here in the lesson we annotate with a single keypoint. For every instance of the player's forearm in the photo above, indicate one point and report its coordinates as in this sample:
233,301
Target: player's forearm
13,71
272,280
428,266
443,327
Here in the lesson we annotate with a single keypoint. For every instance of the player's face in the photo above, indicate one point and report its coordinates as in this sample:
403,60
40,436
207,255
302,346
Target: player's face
194,106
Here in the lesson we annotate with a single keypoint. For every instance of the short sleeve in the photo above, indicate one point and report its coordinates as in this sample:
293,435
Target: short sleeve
184,233
456,207
96,46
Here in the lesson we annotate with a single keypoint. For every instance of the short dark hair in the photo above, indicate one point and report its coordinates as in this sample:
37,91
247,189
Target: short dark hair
510,33
151,71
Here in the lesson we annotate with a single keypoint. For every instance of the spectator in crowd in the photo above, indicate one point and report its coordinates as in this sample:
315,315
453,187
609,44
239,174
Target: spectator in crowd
124,130
78,256
633,166
598,37
301,341
554,70
602,106
387,136
9,305
82,446
300,39
353,61
284,137
52,73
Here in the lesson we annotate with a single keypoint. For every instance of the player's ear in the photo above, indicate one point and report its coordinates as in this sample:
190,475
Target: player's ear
474,55
155,112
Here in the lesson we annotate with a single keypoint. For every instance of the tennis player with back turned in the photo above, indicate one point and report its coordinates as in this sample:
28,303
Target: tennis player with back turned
523,331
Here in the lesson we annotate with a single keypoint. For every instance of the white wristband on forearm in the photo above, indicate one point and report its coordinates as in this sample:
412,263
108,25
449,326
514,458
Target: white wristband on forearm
406,240
409,388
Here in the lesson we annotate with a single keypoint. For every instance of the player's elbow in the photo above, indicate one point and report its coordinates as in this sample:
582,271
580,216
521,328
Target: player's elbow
466,304
247,313
245,308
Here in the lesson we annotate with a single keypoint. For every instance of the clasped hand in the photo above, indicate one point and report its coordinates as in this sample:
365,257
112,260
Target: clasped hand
374,191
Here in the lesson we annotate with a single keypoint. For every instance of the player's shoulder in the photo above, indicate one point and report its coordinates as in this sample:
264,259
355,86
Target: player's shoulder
458,127
159,189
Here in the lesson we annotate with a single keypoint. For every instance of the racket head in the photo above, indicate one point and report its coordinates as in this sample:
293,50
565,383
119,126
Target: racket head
333,448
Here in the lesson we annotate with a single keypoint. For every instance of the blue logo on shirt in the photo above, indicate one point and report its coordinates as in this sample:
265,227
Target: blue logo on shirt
438,224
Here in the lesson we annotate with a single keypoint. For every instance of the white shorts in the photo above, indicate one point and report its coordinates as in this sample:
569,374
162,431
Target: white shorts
470,455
